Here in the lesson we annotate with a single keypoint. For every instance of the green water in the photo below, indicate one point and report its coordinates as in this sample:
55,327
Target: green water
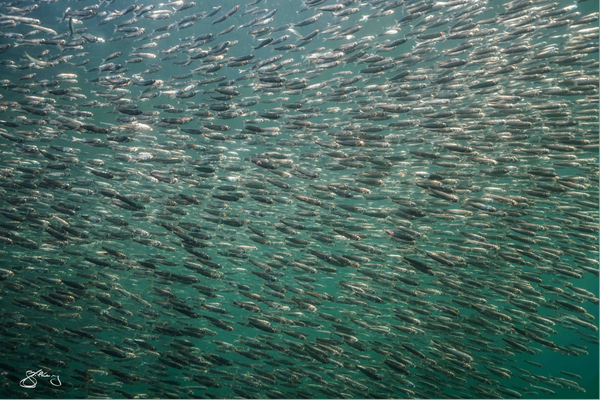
28,347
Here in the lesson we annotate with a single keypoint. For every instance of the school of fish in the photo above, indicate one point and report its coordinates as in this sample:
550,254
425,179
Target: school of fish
298,199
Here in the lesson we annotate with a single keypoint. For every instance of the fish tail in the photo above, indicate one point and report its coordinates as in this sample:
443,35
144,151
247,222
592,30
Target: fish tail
294,32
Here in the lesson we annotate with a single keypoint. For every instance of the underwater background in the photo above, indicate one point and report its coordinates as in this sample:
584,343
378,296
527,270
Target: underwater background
337,238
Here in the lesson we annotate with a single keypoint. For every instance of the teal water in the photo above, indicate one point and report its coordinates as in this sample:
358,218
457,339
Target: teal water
172,371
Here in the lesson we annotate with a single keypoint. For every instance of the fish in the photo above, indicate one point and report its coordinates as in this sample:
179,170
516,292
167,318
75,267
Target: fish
386,199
